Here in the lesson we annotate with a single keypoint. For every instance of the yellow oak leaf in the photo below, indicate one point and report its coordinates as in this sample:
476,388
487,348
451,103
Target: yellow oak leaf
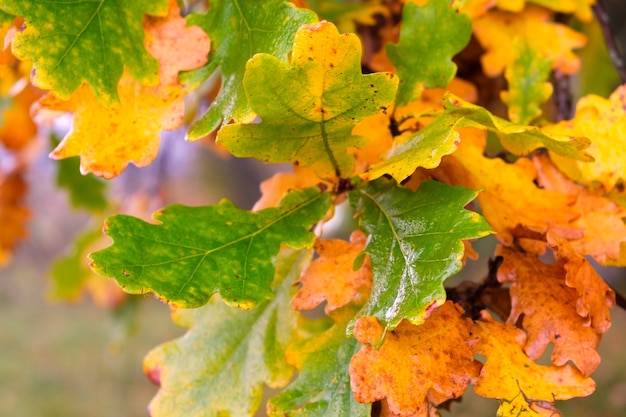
603,121
331,276
581,8
509,197
416,365
109,138
547,308
599,220
497,30
595,298
13,214
523,387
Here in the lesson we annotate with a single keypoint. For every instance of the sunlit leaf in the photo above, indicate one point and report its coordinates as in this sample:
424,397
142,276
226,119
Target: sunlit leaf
109,138
426,147
309,106
603,121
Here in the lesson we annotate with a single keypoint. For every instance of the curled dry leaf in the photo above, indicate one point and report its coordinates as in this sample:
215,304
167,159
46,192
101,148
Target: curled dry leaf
595,298
416,365
548,310
332,277
109,138
523,387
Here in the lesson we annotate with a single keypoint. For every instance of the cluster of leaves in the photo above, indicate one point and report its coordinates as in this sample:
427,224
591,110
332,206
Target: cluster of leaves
395,119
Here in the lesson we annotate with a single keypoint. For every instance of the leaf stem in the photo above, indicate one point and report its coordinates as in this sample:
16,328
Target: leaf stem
615,52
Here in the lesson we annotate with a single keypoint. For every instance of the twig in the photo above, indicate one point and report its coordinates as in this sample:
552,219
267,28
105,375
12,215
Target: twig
615,53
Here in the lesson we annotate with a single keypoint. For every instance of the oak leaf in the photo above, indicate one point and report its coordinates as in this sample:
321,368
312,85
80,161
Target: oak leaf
220,365
309,106
430,36
62,39
109,138
547,308
426,147
322,388
431,362
13,214
523,387
603,121
197,251
416,242
595,297
599,221
238,31
509,197
331,276
498,30
528,89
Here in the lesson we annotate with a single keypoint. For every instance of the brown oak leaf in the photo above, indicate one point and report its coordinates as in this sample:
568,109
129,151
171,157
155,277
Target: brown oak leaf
547,308
523,387
416,365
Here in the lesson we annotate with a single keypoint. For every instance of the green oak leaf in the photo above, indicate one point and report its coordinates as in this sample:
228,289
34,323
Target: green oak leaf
430,36
86,191
219,367
309,106
76,41
426,147
239,29
197,251
415,244
322,388
528,88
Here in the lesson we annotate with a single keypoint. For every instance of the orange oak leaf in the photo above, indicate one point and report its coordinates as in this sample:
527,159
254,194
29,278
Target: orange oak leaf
13,214
17,128
277,186
603,121
331,276
599,220
109,138
523,387
509,197
548,309
595,298
497,30
581,8
415,364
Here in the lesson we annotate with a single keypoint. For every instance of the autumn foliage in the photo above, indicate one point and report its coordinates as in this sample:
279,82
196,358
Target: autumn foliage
433,122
